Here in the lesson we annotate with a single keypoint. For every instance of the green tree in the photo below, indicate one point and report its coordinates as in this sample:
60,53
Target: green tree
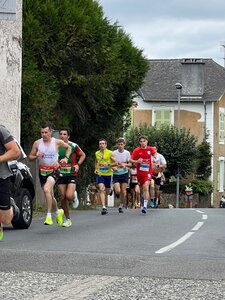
178,148
203,167
78,69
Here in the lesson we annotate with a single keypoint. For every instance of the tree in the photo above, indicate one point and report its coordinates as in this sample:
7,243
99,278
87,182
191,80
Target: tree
78,69
203,167
178,148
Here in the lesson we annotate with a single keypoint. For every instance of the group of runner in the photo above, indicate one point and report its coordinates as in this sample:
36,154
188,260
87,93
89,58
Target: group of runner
145,165
59,161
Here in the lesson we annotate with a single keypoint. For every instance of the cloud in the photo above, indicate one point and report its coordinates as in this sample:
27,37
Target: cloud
171,28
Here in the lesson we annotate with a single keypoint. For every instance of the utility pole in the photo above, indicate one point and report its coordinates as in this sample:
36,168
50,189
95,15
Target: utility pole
179,88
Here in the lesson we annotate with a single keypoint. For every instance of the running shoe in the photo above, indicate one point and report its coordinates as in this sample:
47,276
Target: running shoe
151,204
48,221
16,210
104,211
59,218
75,200
144,210
120,210
67,223
1,231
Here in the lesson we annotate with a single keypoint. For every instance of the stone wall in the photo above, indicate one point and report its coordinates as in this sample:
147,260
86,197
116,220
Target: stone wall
198,201
11,70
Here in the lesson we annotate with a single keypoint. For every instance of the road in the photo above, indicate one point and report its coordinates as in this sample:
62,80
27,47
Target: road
165,254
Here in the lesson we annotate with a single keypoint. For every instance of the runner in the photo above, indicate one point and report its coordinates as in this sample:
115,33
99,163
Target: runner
120,172
46,151
104,161
158,167
134,187
142,157
9,150
68,173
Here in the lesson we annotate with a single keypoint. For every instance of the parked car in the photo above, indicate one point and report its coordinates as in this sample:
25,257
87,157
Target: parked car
23,192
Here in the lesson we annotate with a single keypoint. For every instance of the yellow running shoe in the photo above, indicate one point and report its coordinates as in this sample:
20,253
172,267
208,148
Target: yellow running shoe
1,231
67,223
48,221
59,218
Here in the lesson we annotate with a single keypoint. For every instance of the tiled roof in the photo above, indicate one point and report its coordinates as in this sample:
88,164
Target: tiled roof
202,80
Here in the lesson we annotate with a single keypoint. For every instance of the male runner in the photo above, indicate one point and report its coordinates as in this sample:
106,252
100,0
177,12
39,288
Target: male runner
120,172
9,150
142,157
104,161
46,151
68,173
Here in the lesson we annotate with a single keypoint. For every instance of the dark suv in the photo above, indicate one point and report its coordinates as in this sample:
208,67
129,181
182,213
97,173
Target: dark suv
22,191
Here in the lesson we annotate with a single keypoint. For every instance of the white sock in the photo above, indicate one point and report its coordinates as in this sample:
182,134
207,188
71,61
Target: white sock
49,215
57,212
145,203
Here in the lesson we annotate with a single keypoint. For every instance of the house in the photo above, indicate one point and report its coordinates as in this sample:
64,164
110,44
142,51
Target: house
201,105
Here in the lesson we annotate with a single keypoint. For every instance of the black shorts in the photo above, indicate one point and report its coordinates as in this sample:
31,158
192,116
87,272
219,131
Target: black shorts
54,174
123,178
132,185
156,180
5,194
67,180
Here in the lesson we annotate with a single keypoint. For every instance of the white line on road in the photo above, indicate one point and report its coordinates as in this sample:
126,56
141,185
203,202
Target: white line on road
204,217
185,237
197,226
175,244
199,211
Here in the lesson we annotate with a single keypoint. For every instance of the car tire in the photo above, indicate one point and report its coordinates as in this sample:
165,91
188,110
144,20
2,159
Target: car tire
25,204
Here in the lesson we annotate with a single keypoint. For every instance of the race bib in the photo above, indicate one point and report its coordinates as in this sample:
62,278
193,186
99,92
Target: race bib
144,167
103,168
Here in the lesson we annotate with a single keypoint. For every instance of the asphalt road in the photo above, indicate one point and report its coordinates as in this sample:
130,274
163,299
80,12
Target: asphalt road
165,254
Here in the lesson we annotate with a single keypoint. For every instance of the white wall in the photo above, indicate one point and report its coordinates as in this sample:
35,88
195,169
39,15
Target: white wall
11,67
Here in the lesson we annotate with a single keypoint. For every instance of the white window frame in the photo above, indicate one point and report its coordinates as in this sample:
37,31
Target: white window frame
220,172
221,125
156,108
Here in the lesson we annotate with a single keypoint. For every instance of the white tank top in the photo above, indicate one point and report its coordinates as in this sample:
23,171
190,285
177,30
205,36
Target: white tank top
49,153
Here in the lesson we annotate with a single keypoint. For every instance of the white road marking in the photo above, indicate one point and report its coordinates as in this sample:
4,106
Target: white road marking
175,244
185,237
199,211
197,226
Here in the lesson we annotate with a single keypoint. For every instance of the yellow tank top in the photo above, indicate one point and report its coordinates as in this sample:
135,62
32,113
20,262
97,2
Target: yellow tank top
101,158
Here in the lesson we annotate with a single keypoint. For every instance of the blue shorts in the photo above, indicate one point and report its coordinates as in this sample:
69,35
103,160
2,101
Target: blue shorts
106,180
123,178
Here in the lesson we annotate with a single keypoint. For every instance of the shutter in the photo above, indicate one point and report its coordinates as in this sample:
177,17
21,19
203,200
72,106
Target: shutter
162,116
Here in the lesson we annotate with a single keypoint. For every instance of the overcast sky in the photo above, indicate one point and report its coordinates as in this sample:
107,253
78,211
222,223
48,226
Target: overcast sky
172,28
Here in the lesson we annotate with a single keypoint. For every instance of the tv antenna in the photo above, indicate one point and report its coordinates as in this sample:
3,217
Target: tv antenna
222,44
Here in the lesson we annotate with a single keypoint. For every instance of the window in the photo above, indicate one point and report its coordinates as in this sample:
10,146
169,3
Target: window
220,174
221,125
162,116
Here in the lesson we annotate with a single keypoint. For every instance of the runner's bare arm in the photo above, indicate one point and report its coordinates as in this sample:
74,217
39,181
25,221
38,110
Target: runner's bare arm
12,152
34,151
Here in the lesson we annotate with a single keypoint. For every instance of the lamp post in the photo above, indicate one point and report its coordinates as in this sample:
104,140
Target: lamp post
179,88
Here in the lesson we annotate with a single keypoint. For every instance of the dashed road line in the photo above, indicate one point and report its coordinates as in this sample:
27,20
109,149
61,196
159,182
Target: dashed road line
184,237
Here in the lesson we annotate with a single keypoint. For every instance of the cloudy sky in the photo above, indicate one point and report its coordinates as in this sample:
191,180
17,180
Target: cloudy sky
172,28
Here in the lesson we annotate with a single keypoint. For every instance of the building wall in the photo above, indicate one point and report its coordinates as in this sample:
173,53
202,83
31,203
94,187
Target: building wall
193,117
11,69
218,150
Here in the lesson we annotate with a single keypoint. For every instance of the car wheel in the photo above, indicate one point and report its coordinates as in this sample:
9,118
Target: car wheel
25,204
